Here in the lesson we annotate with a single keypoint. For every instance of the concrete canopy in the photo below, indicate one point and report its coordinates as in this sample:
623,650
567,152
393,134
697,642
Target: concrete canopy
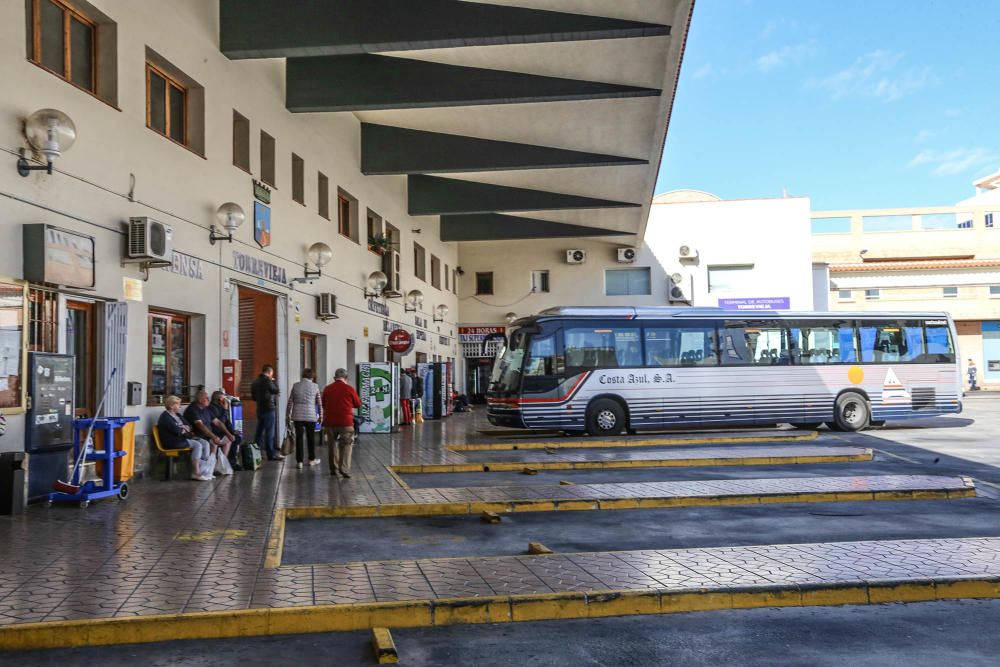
534,104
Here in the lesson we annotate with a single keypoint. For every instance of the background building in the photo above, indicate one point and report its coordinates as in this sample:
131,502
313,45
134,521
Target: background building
944,258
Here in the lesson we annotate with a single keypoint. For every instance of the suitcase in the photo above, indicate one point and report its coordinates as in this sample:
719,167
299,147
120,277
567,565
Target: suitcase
251,456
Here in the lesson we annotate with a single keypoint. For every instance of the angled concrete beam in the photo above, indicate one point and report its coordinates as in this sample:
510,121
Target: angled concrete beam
396,150
433,195
366,82
296,28
497,227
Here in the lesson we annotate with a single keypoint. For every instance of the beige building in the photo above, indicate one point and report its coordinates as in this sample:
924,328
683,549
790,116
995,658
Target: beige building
941,258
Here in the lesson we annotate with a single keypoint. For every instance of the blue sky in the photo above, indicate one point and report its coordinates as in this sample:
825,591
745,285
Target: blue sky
855,103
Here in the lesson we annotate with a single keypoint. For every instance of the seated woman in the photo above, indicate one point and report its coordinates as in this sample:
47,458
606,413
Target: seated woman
175,433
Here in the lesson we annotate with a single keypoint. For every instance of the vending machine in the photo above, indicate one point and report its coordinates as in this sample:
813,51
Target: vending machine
437,397
49,425
425,376
378,387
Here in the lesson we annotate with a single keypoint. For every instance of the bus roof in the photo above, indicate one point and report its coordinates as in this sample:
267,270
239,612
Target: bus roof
662,312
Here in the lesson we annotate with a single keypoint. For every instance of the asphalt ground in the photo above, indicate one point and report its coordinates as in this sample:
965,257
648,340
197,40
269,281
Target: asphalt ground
909,635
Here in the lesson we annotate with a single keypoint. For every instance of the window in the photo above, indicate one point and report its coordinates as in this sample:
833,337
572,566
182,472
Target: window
63,42
994,291
690,344
375,233
729,278
539,281
43,320
241,141
308,357
419,261
267,165
12,302
454,281
435,272
447,278
873,294
883,342
168,357
627,282
166,105
989,219
298,179
484,282
323,195
823,342
603,347
347,215
845,295
758,342
938,340
949,292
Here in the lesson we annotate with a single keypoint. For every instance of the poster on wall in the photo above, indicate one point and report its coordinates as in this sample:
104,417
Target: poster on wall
378,388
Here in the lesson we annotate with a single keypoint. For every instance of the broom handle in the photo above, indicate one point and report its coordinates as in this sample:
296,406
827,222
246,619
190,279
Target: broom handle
90,429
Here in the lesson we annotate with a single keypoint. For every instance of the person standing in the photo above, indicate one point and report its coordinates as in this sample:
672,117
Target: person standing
405,390
340,400
302,409
972,372
264,392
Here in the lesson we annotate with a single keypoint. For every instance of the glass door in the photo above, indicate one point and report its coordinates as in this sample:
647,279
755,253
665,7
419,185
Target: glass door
80,342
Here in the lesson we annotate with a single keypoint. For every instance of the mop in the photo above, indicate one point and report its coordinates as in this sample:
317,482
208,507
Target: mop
69,487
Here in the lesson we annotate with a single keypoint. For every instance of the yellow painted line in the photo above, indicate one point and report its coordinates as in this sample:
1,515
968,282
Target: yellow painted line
385,647
473,610
570,504
518,466
275,541
591,443
399,480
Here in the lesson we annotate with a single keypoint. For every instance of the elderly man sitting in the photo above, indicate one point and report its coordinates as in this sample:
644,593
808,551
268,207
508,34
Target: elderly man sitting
176,433
199,414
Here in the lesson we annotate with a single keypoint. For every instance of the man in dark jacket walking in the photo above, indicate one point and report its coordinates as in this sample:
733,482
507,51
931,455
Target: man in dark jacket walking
264,392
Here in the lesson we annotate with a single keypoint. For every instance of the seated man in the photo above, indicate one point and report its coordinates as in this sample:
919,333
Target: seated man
222,425
201,418
175,433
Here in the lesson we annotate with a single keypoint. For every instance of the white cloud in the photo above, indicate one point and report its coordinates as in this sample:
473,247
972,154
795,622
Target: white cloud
956,161
777,25
786,55
878,75
924,135
703,71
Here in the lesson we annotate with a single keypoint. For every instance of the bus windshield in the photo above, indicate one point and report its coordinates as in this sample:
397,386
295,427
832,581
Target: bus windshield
507,369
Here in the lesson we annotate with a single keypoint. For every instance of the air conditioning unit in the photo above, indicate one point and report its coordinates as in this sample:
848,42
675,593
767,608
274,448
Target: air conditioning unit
680,288
626,255
390,267
576,256
150,242
326,306
687,254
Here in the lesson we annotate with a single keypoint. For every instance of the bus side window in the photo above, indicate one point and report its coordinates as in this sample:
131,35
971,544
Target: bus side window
697,346
939,344
661,346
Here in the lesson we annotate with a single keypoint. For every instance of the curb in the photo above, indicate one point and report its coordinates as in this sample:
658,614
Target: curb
517,466
645,442
478,610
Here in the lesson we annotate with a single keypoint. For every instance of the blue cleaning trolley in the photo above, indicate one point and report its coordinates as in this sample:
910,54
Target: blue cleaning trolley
106,486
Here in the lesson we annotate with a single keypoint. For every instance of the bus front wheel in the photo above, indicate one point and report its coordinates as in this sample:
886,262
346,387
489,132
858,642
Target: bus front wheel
851,412
605,417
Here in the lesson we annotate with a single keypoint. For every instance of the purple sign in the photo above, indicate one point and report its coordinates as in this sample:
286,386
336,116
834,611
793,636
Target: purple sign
758,303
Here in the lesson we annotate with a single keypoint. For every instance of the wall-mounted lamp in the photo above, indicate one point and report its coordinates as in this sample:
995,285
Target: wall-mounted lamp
230,216
440,313
50,132
414,299
320,255
510,317
376,285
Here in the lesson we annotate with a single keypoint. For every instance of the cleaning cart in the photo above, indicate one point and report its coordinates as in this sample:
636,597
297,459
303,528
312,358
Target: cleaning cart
112,482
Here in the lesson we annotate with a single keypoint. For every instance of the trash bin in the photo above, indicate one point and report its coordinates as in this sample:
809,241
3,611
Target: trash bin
124,441
12,482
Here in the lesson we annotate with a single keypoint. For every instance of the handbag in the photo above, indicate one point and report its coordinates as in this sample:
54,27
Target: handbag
288,444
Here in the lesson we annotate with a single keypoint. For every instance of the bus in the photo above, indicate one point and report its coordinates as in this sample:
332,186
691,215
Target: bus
607,370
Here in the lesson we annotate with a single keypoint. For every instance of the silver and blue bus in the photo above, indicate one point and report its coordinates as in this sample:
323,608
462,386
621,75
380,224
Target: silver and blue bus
606,371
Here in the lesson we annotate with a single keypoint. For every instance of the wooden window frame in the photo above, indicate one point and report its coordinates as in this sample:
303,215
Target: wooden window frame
170,317
90,391
169,82
69,13
298,179
272,181
435,271
420,262
492,284
343,220
313,342
323,195
237,116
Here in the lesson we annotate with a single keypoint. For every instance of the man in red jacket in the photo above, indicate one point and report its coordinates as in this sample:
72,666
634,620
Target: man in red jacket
339,402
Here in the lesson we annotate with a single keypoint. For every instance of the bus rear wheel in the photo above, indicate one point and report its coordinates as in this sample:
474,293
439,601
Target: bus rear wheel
605,417
851,412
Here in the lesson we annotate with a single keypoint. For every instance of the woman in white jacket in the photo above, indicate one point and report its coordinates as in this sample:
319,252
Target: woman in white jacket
305,410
